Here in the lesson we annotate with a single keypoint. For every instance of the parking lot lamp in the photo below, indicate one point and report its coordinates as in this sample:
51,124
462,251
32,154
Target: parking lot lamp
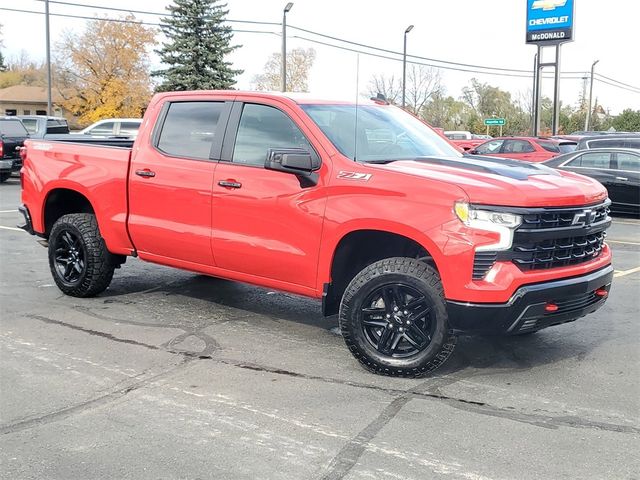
287,7
404,65
588,117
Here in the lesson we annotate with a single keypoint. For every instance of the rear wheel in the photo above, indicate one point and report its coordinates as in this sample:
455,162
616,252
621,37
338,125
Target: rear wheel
79,260
394,320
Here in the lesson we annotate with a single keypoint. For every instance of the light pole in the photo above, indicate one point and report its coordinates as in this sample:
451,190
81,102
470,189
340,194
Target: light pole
588,117
48,47
404,65
284,47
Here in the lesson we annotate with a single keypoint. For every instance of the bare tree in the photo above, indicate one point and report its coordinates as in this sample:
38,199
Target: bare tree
422,84
299,63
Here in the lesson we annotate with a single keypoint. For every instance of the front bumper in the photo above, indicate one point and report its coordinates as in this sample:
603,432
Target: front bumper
525,311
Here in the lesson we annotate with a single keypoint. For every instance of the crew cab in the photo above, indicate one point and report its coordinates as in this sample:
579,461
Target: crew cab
407,240
43,126
12,137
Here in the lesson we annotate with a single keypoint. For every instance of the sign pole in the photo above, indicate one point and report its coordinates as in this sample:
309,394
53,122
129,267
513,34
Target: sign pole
556,93
536,108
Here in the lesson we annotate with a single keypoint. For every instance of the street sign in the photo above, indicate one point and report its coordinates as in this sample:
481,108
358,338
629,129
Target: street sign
549,21
494,121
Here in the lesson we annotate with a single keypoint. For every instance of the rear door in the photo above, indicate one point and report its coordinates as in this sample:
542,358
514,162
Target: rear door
266,223
626,184
518,150
170,182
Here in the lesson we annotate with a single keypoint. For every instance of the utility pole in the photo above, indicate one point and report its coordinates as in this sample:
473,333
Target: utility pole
404,65
46,16
283,72
588,117
534,111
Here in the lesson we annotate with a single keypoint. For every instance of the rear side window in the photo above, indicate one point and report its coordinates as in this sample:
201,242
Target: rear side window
31,124
102,129
517,146
12,128
629,162
262,128
550,147
129,128
592,160
189,128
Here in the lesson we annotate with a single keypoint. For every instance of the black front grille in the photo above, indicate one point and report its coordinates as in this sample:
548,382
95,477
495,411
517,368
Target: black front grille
559,252
550,238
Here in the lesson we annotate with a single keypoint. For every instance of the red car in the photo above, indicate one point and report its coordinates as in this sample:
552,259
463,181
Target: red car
530,149
407,240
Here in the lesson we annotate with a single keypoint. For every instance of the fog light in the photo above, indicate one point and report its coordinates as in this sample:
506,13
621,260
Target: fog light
601,292
551,307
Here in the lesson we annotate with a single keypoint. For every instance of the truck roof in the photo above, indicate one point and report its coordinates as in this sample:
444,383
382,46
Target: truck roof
297,97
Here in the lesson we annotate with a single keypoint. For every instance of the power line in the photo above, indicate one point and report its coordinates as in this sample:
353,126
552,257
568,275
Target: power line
145,12
456,66
617,81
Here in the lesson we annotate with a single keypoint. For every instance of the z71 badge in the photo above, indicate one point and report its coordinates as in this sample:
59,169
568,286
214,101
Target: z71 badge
354,175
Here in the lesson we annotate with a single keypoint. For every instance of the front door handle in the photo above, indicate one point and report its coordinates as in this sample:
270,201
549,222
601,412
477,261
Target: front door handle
145,173
229,184
623,179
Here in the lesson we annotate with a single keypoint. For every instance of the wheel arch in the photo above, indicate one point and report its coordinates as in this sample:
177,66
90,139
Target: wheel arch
61,201
357,248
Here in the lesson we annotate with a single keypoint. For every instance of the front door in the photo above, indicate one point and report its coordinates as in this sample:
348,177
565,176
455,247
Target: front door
170,183
266,223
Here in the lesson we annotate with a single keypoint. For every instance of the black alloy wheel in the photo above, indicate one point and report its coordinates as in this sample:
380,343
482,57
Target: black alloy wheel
397,320
70,257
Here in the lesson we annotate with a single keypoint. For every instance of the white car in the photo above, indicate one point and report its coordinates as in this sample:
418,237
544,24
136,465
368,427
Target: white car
114,127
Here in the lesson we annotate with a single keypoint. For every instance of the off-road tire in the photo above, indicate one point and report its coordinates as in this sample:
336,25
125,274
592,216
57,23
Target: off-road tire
99,263
422,278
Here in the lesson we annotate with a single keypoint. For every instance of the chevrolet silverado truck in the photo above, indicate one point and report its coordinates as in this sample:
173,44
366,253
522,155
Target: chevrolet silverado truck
358,204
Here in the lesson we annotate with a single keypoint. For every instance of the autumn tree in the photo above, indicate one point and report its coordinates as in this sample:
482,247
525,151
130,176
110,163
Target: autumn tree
104,71
422,84
23,70
197,44
299,64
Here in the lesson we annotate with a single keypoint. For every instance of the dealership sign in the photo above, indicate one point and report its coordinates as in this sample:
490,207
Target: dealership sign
549,21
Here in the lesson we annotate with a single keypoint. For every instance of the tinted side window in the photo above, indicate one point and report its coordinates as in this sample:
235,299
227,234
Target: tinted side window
490,147
517,146
129,128
261,128
550,147
592,160
31,124
629,162
189,128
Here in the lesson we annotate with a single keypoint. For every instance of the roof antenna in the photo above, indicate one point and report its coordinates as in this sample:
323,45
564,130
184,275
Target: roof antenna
355,129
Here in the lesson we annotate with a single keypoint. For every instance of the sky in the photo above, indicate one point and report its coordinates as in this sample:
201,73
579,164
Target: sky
488,33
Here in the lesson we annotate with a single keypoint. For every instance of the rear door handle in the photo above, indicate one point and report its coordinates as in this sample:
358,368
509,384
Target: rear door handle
145,173
229,184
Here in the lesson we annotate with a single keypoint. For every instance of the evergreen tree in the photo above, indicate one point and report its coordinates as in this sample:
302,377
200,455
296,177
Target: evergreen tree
197,43
3,67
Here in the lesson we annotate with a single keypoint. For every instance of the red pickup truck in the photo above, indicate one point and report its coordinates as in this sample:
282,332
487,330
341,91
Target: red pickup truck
363,206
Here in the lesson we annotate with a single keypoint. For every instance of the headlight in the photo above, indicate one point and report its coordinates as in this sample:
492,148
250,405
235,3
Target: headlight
502,223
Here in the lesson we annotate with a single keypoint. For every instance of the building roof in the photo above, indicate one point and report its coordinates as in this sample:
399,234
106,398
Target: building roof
26,94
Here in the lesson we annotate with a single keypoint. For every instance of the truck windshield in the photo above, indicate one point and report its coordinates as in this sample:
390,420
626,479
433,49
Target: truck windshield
12,128
381,133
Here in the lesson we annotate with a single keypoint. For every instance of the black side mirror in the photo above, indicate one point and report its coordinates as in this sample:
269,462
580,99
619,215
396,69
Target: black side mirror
473,151
297,161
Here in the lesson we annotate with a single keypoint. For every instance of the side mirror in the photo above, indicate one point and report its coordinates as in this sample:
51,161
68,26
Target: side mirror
473,151
294,160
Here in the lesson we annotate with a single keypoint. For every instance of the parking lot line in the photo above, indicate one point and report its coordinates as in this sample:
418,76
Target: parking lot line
15,229
622,273
8,211
618,222
624,242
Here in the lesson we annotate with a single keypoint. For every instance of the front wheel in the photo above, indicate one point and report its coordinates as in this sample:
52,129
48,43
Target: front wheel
393,318
79,260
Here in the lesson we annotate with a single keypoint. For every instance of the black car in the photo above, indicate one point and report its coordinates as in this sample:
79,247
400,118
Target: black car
618,169
622,140
40,125
12,137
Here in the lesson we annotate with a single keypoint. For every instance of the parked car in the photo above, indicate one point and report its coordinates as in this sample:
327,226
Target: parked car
12,137
610,141
618,169
114,127
530,149
409,241
40,125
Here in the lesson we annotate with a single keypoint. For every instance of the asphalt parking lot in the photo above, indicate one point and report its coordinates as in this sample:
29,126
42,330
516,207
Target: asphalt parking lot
170,374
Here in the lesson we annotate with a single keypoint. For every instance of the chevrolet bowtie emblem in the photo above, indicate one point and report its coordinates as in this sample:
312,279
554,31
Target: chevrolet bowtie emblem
548,4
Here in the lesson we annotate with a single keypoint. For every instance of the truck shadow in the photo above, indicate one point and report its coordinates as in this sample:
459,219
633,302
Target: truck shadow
571,341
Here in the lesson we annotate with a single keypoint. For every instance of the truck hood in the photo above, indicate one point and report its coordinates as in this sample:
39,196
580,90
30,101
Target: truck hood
497,181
